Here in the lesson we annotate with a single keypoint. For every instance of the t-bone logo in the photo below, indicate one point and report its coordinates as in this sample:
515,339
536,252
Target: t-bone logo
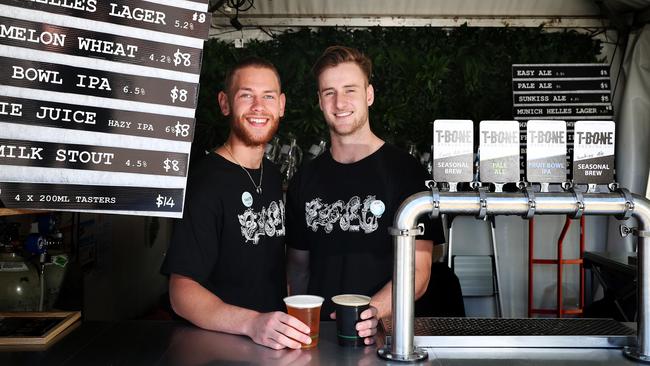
500,137
547,137
453,136
595,138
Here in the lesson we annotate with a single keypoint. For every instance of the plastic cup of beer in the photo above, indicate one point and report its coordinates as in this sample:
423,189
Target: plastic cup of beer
306,308
348,313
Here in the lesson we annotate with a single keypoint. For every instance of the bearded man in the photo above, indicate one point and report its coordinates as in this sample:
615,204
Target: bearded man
226,261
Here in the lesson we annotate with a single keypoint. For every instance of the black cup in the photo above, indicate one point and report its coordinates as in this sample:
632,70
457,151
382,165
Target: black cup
348,312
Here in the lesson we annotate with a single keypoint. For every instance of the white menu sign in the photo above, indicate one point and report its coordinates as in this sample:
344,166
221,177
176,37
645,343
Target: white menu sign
453,147
499,144
546,154
593,153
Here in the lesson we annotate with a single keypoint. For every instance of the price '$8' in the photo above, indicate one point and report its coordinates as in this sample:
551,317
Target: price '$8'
181,57
171,164
180,129
178,94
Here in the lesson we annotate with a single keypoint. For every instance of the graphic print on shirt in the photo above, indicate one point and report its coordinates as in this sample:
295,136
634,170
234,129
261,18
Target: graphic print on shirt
351,216
269,221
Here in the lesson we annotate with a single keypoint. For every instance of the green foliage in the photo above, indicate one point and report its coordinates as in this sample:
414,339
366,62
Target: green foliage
419,75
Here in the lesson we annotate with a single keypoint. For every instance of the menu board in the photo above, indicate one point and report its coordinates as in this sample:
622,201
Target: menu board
97,103
567,92
561,91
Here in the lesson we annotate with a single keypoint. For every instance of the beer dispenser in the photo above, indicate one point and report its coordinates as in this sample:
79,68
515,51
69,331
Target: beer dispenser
591,164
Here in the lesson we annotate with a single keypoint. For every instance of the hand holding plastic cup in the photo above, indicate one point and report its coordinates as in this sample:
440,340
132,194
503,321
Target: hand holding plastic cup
348,312
306,308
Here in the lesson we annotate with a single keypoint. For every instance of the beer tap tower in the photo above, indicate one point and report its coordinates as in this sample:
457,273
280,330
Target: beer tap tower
618,202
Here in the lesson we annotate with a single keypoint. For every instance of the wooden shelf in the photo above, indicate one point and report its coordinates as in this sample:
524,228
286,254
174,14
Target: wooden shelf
36,328
12,211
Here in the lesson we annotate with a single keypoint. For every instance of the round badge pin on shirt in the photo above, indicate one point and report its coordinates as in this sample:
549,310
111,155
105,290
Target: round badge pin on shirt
247,199
377,207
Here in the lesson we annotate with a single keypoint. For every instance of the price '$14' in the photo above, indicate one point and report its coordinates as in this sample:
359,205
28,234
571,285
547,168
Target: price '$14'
164,201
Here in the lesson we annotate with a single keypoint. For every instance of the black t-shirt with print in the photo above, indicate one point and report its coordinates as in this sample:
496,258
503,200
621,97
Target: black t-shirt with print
341,214
231,239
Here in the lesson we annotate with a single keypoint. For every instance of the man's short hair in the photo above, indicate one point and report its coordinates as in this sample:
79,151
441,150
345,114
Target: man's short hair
252,61
336,55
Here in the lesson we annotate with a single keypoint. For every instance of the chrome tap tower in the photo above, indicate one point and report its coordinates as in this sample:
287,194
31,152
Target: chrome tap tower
620,203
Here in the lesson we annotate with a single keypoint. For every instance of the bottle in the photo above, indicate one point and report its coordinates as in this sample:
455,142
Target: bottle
292,160
316,150
35,242
413,151
429,162
272,149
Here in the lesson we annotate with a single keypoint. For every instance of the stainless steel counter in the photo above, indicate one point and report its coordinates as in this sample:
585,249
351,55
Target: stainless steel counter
180,344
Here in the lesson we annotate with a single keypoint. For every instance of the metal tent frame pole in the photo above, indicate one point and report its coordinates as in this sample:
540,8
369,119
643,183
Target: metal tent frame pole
527,204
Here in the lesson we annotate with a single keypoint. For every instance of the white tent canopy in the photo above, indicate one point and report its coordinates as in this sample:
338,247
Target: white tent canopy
553,13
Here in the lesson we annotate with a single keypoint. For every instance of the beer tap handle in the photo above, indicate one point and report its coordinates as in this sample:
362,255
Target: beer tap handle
545,186
580,203
530,195
482,213
435,210
629,204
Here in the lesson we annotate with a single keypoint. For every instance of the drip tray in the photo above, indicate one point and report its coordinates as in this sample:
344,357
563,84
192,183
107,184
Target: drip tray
536,332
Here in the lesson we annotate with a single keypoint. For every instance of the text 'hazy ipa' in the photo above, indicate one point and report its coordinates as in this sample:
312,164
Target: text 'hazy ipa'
306,308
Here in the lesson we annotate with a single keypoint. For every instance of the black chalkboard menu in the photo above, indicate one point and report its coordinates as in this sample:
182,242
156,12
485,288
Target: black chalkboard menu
561,91
567,92
97,103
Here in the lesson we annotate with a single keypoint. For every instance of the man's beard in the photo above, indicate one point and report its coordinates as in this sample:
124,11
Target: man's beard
249,139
